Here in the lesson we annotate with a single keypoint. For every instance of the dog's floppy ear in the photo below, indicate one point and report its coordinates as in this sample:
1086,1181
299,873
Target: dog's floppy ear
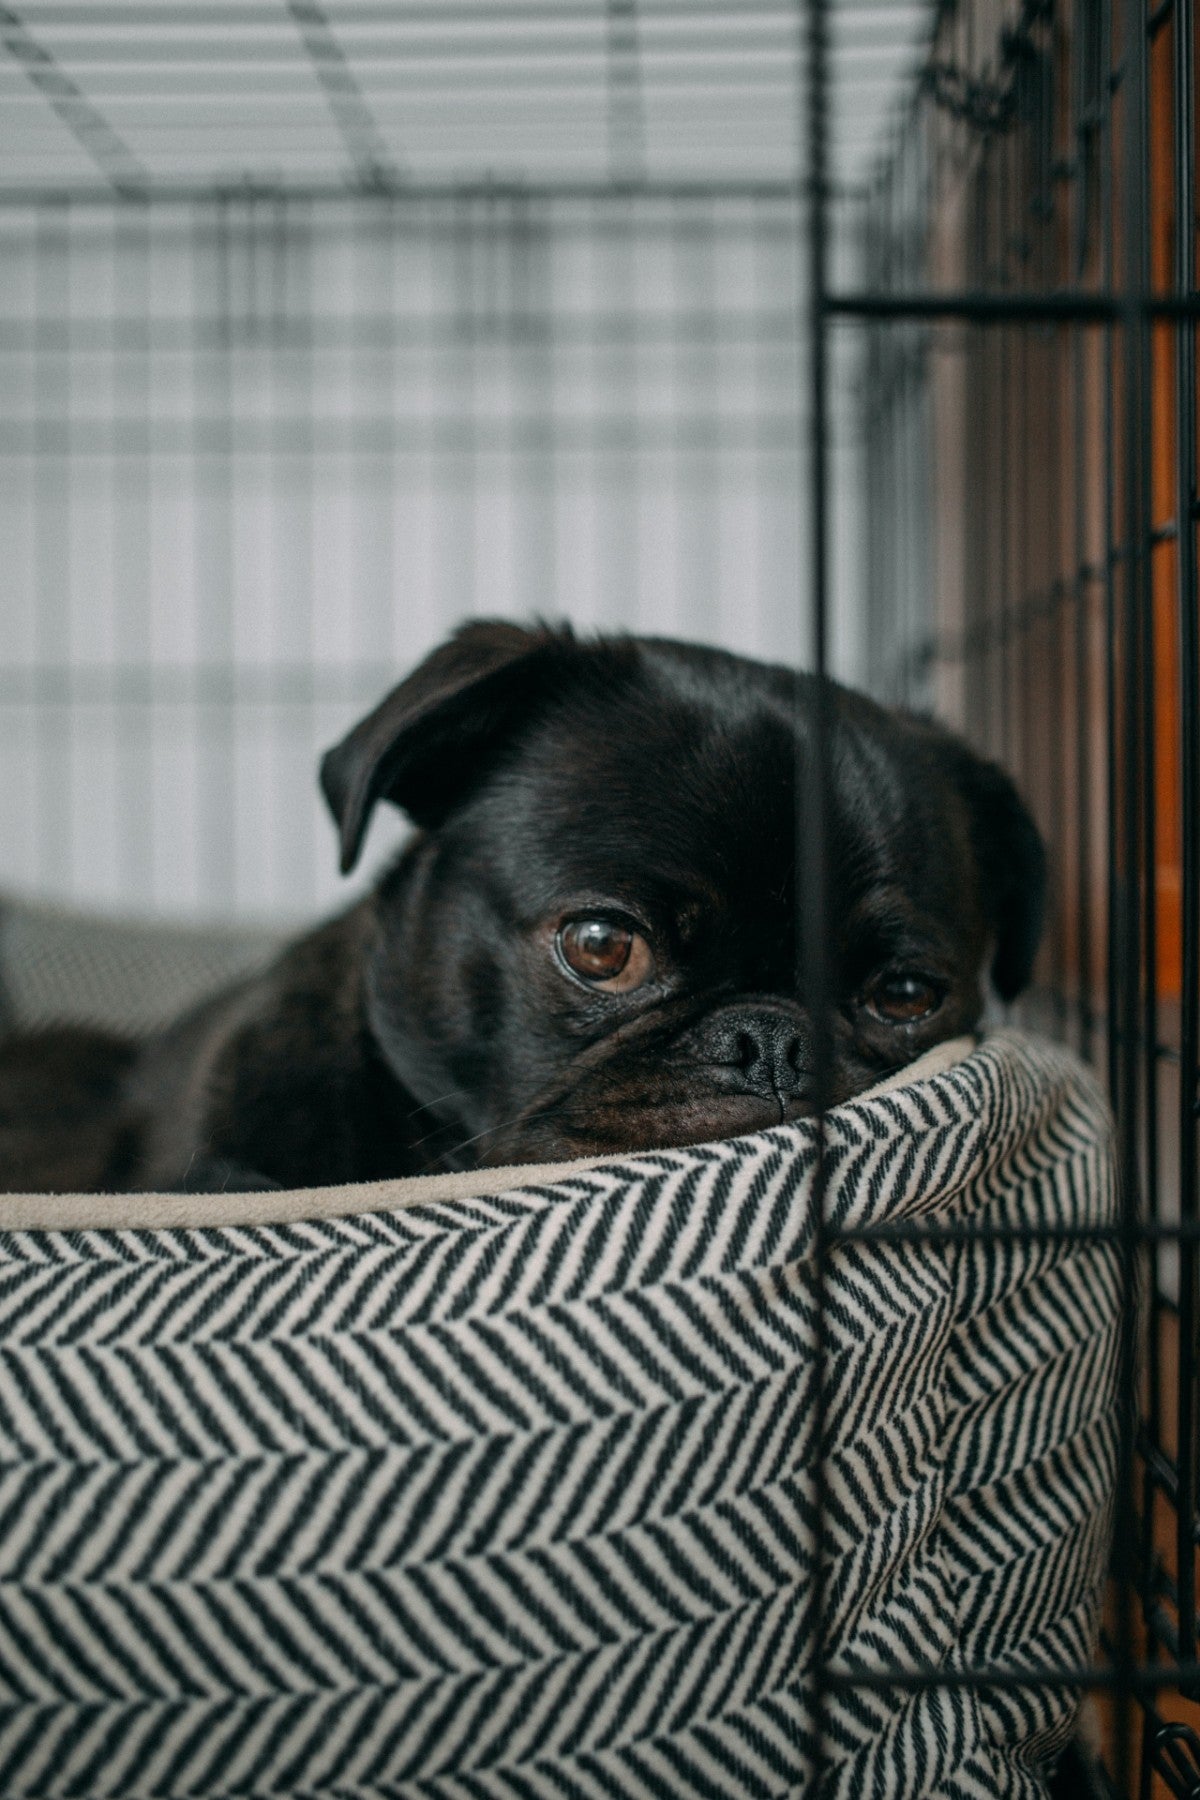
1012,868
423,744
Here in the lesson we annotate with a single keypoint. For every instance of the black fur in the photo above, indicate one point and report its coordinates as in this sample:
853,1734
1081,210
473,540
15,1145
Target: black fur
651,784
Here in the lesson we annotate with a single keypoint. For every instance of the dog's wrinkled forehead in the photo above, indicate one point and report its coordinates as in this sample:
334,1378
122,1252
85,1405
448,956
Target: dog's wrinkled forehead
683,784
642,783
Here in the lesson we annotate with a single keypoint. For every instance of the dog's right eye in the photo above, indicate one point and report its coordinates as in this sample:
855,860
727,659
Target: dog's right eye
903,999
604,953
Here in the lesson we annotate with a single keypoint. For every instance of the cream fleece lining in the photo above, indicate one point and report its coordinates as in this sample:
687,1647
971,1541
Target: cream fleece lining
175,1212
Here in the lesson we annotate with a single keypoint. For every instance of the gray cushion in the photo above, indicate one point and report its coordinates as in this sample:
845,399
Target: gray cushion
59,965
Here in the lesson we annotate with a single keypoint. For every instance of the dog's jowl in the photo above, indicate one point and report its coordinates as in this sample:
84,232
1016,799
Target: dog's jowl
594,940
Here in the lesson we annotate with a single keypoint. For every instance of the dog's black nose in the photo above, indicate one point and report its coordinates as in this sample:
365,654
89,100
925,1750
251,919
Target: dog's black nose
765,1049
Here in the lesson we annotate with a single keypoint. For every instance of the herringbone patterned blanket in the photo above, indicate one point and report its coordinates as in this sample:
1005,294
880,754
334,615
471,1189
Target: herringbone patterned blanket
542,1493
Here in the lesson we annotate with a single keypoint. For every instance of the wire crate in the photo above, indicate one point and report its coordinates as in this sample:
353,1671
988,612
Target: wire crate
859,333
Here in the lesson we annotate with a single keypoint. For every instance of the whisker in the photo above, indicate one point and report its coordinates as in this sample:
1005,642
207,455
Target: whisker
520,1118
424,1105
427,1106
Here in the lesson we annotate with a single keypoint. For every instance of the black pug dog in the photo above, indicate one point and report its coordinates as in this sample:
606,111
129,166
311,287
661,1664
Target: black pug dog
593,943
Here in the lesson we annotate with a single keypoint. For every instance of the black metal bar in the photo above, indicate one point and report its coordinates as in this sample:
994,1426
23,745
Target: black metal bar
1134,904
1112,796
1007,309
1188,608
1081,589
812,824
1146,533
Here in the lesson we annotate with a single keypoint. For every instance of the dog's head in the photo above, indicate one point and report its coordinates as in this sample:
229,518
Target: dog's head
598,938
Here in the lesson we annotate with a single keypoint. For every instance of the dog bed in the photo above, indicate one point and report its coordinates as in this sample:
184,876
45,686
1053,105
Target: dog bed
511,1488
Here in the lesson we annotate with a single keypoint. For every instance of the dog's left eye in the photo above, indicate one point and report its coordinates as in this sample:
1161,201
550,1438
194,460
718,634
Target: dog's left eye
605,953
903,999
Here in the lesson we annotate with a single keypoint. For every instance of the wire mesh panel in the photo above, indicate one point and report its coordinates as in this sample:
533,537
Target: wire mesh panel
1029,409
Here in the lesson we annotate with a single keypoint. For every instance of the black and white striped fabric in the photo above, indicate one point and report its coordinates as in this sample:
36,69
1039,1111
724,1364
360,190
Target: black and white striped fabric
541,1494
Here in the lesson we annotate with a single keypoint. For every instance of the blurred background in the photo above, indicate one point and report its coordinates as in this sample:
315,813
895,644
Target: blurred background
321,330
